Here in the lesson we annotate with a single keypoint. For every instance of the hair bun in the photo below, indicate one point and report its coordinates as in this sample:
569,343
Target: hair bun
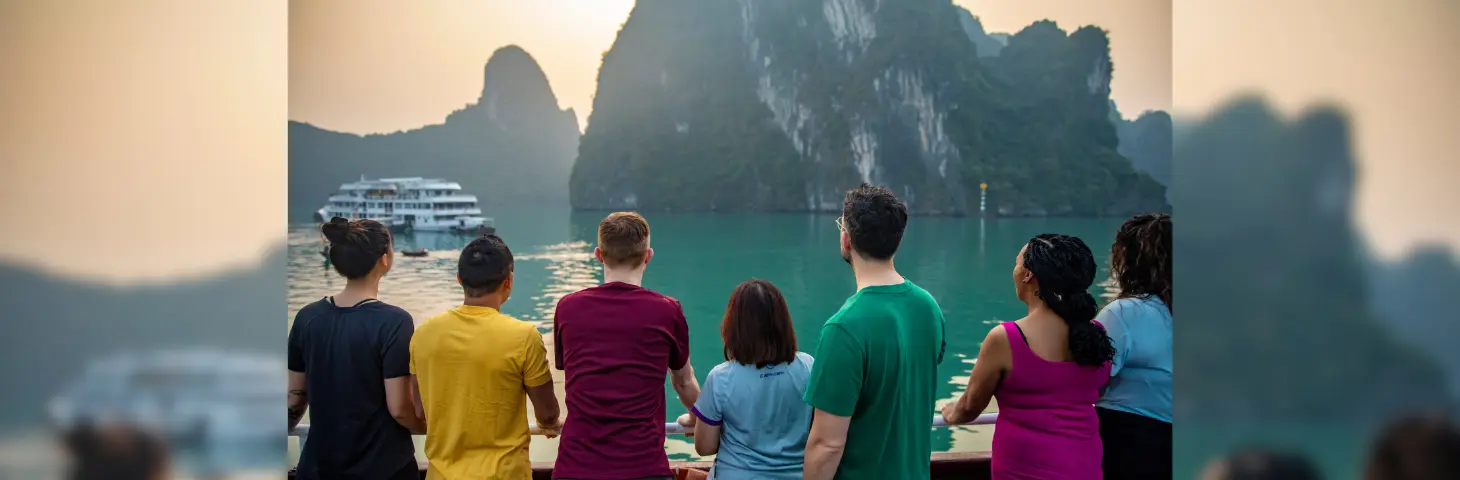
336,229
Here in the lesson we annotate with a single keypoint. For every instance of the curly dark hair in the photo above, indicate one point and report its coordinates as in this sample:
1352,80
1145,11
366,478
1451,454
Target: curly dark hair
1140,258
1065,268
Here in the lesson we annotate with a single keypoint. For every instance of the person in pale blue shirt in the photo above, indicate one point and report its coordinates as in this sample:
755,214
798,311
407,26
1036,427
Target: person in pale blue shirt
751,416
1135,407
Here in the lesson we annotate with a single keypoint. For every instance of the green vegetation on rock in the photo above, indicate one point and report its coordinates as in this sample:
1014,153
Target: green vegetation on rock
782,106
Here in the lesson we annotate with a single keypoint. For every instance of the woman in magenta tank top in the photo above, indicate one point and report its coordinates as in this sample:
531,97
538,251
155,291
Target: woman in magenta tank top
1046,369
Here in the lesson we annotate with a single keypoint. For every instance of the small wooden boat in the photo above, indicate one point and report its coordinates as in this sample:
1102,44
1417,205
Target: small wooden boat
419,252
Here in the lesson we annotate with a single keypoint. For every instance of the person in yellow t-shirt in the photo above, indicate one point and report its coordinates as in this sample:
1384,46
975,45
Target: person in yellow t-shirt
473,366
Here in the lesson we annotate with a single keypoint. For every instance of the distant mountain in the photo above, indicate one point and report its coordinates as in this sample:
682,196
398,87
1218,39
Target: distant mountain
1276,321
989,44
1416,297
54,325
514,146
1147,141
783,105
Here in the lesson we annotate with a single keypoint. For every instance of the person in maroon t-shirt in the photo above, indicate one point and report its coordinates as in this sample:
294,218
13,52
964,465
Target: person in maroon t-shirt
615,342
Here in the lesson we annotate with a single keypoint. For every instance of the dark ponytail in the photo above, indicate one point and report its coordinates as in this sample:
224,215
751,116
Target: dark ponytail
355,245
1065,269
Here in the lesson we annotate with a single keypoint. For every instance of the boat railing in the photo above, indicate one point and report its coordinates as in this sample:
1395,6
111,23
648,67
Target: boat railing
672,428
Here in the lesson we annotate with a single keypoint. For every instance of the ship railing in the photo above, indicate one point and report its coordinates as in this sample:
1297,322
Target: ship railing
672,428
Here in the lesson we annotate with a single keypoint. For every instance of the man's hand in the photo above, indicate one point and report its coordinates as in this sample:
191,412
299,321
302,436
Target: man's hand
950,413
550,430
687,421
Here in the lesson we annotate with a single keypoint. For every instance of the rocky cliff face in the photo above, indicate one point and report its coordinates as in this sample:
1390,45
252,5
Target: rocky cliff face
1147,142
783,105
513,146
1277,331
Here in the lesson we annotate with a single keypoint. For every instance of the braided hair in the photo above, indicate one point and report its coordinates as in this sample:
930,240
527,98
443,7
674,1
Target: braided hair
1140,258
1066,269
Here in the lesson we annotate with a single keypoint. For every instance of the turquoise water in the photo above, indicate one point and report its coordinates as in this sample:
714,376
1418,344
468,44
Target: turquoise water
965,263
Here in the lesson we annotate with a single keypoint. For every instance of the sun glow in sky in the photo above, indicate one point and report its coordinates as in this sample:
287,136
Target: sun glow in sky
101,100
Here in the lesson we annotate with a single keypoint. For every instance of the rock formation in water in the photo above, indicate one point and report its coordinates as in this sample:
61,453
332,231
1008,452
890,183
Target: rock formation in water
513,146
783,105
1276,319
1147,142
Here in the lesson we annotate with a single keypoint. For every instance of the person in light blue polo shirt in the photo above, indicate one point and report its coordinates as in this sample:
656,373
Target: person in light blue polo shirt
1135,407
751,416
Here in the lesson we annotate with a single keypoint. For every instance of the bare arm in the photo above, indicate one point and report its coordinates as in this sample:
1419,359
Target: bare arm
402,403
416,395
825,445
707,438
685,385
298,398
545,408
988,370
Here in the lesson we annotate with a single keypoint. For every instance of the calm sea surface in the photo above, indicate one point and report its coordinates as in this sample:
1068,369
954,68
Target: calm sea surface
699,258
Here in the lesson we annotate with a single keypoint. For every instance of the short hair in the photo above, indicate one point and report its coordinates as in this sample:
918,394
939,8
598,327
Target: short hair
757,327
355,245
623,238
1419,446
874,219
485,263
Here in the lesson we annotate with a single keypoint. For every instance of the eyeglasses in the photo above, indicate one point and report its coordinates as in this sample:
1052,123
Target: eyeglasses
840,224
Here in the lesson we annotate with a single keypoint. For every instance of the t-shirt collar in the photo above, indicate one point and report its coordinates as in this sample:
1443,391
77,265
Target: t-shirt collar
475,310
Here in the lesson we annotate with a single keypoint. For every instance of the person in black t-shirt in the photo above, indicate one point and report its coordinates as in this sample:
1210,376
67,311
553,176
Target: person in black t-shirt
349,358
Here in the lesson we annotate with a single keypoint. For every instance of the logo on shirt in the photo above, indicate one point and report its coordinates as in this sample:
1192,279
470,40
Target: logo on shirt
771,374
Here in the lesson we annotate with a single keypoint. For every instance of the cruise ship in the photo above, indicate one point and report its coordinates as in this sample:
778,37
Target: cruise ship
410,203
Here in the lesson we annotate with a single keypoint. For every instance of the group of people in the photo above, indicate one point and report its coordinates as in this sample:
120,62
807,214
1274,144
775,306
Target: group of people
1080,392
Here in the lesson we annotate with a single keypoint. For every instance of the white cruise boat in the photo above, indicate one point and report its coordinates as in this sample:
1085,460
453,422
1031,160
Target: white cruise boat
412,203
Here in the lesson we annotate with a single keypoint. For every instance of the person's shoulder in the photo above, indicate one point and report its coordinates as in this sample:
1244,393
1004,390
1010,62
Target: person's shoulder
804,360
309,312
387,310
1136,306
575,296
665,307
517,325
653,296
431,323
314,308
724,369
998,334
921,294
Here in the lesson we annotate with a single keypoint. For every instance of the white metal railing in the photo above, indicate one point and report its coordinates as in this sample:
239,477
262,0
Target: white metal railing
672,428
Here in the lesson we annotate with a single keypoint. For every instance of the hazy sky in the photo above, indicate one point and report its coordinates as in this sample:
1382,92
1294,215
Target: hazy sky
1392,64
142,139
145,139
381,66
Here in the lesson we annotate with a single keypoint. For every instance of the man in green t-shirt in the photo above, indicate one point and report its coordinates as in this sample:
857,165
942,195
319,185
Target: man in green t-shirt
877,360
